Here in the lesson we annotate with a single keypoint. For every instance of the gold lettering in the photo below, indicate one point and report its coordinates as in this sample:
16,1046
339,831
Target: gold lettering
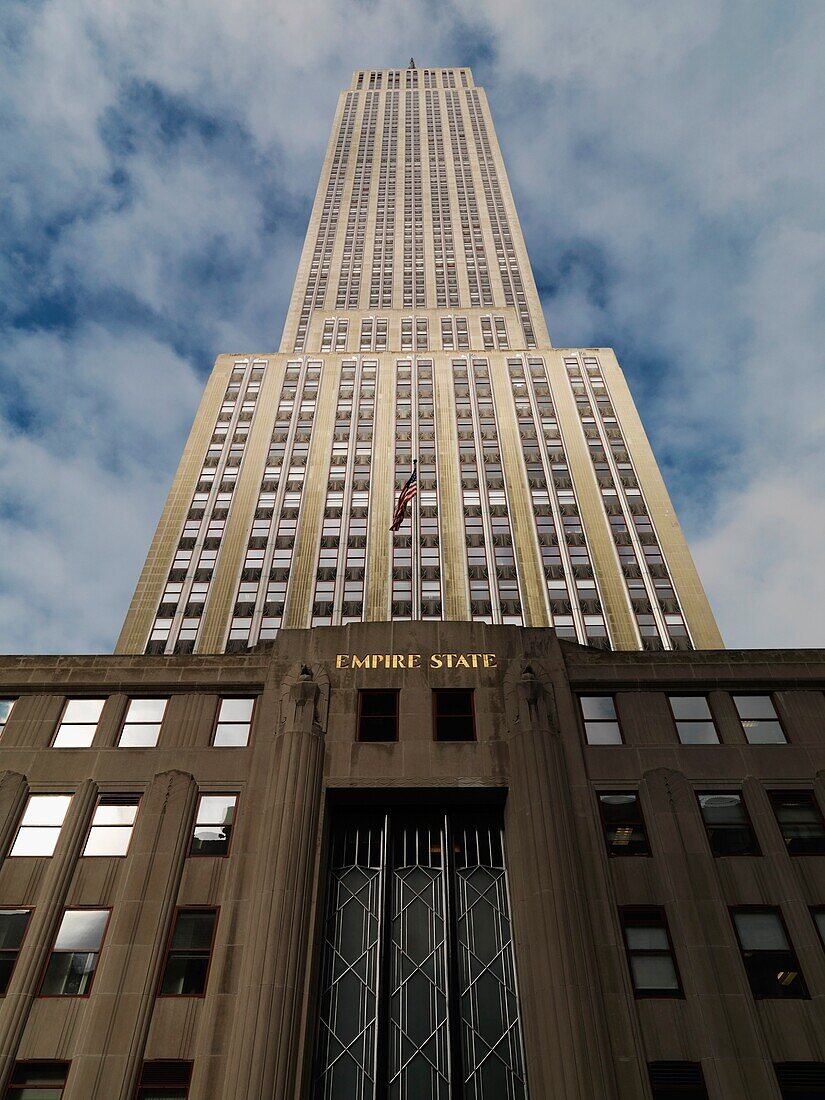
435,660
461,661
360,662
414,660
398,660
490,660
342,660
474,659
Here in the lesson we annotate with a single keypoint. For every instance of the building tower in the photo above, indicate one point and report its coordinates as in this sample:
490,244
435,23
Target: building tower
415,333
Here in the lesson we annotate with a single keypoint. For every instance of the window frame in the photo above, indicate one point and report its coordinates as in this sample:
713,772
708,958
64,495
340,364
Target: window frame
776,911
613,791
112,798
790,791
217,720
167,951
436,693
639,911
29,909
741,795
87,993
689,1090
820,931
734,695
159,1084
362,693
670,695
21,824
12,699
67,700
125,721
584,720
13,1090
214,794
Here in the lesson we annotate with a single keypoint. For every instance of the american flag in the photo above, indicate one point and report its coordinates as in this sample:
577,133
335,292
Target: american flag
404,498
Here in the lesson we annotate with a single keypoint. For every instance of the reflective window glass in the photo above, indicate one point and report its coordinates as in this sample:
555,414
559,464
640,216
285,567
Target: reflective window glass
78,723
141,727
40,825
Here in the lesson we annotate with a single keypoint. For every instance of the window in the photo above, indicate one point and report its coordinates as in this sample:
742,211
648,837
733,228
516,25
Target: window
187,959
164,1080
37,1081
649,953
73,959
759,719
601,723
13,924
624,827
800,820
398,992
693,719
727,824
213,825
770,961
234,722
142,724
453,715
112,825
78,723
377,715
819,920
5,711
40,825
801,1080
677,1081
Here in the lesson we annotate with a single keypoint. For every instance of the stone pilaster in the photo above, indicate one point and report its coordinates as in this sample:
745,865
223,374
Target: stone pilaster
51,899
266,1040
565,1032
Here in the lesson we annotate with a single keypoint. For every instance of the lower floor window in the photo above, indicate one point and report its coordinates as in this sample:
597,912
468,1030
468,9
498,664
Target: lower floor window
37,1080
418,983
164,1080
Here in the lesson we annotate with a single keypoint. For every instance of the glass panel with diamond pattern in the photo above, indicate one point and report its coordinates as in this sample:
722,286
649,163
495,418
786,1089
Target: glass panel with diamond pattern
418,985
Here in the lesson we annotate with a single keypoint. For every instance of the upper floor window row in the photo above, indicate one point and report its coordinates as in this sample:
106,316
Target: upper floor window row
692,718
142,723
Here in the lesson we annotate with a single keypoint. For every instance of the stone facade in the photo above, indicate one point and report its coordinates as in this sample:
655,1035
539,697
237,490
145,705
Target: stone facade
252,1034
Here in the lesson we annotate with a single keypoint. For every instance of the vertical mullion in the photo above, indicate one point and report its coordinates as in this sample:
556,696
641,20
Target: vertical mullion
456,1061
383,992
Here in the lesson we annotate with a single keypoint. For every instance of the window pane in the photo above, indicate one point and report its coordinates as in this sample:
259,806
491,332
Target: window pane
5,710
12,927
755,706
35,842
108,840
598,706
760,932
146,710
763,732
81,930
46,809
819,921
115,813
603,733
139,736
83,710
193,929
644,938
216,809
74,737
697,733
69,974
654,972
236,710
231,734
690,706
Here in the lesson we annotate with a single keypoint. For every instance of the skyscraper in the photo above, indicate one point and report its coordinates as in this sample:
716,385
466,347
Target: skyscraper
415,334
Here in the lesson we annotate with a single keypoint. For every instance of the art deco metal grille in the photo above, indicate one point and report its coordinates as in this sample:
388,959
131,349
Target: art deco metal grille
418,984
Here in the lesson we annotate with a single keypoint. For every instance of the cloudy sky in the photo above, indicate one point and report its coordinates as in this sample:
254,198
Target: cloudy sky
159,159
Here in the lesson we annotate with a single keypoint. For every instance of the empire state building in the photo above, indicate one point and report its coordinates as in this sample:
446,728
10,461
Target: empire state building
415,334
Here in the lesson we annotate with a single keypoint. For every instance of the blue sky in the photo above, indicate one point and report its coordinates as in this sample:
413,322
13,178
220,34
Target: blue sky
159,162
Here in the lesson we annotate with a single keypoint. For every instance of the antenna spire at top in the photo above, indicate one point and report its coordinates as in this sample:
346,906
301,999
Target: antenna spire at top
412,63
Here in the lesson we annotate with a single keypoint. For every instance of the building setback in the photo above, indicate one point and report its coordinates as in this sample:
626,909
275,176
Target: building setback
477,809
